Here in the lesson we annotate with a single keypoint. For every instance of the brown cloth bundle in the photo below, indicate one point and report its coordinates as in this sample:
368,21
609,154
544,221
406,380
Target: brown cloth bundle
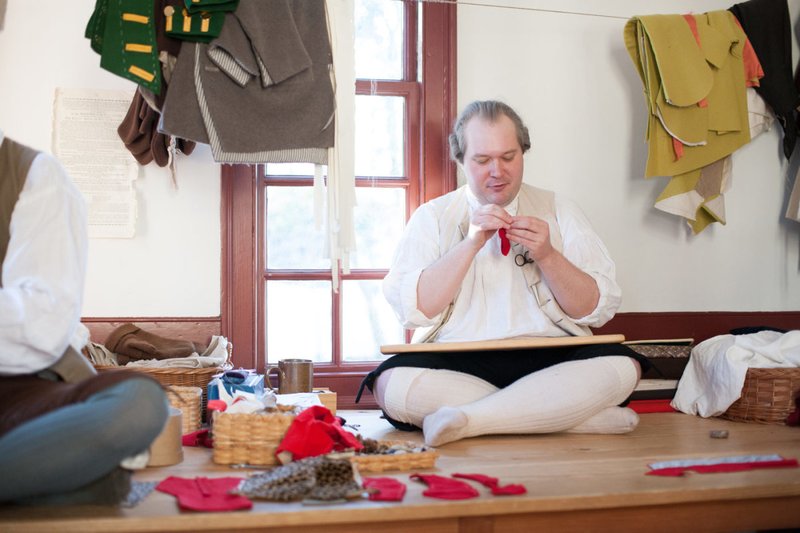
139,128
139,132
131,342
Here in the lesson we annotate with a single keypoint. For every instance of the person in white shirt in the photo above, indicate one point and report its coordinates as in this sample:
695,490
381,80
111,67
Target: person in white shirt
60,441
454,279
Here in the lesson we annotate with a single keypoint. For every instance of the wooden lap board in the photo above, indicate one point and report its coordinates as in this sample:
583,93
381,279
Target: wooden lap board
501,344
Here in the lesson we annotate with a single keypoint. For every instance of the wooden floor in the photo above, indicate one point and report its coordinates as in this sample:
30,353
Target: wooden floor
574,482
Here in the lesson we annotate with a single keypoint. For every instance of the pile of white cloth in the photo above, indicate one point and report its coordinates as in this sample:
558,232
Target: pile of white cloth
715,375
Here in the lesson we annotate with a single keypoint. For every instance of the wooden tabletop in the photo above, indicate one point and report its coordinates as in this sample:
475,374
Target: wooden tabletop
574,482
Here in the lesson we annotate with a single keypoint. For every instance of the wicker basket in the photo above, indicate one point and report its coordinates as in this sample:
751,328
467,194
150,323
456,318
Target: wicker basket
768,396
251,439
379,462
188,400
181,377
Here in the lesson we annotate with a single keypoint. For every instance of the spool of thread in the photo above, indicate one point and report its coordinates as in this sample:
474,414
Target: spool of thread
167,449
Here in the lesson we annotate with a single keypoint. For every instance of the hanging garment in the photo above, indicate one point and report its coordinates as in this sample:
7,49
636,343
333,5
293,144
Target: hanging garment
198,26
793,209
699,196
139,132
694,80
262,92
793,206
139,129
767,25
210,6
123,33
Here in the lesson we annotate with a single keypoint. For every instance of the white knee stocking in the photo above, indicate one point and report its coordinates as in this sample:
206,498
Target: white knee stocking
554,399
609,420
411,394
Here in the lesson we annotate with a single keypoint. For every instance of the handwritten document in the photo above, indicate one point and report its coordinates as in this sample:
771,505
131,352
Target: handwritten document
85,140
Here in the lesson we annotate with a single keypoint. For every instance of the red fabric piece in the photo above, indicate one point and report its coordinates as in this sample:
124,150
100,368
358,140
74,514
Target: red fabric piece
388,489
216,405
315,431
651,406
445,488
505,244
753,71
205,494
677,146
201,437
494,484
723,467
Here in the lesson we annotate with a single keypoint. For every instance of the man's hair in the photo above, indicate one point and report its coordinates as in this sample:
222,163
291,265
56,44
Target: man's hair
489,110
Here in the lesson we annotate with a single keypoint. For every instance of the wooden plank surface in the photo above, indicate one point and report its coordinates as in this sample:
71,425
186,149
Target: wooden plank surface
500,344
573,481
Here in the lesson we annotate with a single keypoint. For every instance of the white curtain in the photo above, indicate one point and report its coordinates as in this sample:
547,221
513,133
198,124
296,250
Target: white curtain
340,197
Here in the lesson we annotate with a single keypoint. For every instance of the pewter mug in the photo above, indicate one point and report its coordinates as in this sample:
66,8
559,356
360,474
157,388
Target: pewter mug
294,375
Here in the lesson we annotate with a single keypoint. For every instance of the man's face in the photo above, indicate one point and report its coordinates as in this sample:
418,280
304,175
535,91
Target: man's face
493,160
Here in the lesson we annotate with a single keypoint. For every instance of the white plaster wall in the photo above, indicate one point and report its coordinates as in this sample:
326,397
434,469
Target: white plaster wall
172,266
571,79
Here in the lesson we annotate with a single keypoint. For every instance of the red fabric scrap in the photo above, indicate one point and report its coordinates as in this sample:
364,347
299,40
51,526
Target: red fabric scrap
505,244
677,147
315,431
494,484
385,489
723,467
205,494
651,406
445,488
201,437
753,71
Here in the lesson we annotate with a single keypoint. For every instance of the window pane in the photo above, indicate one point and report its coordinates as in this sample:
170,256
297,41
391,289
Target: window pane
379,220
290,169
379,39
299,320
367,321
292,240
379,135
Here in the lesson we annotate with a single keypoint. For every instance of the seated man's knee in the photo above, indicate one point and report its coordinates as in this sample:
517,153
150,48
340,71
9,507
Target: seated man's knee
140,410
381,383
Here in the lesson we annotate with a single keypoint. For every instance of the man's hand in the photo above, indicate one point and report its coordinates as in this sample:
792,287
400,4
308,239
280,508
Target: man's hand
575,290
485,221
532,233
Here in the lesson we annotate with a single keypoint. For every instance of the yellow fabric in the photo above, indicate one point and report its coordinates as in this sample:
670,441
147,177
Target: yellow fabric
658,46
677,63
676,76
698,195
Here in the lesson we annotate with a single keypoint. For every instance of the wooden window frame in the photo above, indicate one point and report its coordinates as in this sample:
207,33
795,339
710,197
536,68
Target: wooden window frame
243,195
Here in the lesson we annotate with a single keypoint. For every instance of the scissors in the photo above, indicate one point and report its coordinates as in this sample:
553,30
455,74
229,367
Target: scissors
522,259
